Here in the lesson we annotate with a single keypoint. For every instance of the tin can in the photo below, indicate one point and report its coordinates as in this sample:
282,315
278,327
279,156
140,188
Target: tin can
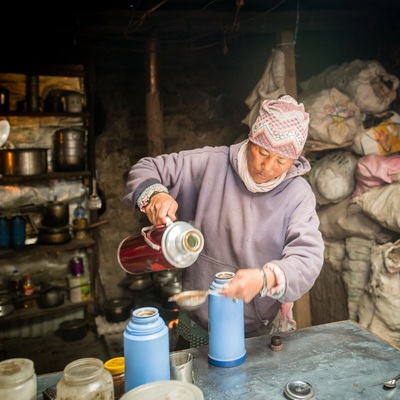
146,348
174,245
5,233
226,346
32,93
18,236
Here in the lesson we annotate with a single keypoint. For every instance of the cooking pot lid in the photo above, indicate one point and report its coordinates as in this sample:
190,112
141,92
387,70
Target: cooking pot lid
299,390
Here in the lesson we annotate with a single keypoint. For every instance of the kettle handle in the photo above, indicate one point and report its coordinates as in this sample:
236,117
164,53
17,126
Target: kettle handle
146,229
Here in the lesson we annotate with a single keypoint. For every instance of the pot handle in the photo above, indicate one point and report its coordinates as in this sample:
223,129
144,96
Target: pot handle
146,229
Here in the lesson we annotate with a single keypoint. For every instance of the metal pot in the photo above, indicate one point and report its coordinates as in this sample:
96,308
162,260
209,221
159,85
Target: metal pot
23,162
54,235
51,297
55,214
73,329
117,309
6,306
69,149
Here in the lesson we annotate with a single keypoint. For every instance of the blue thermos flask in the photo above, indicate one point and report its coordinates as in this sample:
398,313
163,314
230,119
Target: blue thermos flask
146,348
5,236
226,347
18,225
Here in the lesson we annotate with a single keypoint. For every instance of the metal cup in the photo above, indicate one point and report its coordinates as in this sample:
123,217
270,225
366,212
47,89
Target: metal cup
181,366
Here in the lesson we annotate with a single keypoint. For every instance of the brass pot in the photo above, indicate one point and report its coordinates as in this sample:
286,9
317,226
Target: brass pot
23,162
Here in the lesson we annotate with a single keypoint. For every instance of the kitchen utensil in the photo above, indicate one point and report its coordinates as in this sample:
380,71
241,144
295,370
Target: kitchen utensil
23,161
181,366
73,329
173,245
4,131
392,383
6,306
299,390
94,198
55,214
117,309
192,299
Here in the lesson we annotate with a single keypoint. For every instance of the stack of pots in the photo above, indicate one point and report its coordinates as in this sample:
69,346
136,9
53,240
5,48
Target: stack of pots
69,149
55,227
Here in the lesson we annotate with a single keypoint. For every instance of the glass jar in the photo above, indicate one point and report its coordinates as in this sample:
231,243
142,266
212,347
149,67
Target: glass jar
18,379
117,368
85,379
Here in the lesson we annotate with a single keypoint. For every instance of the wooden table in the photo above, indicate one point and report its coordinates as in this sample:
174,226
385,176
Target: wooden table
340,360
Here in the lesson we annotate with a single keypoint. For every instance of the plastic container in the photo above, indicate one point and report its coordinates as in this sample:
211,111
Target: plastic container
85,379
116,366
18,380
146,348
18,236
226,347
5,233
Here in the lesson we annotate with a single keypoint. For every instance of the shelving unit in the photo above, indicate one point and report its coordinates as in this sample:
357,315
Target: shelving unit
89,244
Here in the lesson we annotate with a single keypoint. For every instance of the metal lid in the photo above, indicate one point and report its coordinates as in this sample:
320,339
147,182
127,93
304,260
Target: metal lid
299,390
165,390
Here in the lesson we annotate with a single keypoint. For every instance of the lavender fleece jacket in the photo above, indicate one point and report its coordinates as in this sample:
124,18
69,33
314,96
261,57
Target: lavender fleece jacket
241,229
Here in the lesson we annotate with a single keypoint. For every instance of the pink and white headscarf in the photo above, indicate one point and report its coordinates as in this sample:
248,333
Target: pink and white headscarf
281,127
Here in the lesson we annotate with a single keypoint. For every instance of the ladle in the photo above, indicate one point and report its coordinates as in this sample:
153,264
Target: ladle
193,299
4,131
392,383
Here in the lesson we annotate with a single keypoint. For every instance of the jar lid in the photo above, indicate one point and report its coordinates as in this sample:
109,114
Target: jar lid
16,370
299,390
164,390
115,365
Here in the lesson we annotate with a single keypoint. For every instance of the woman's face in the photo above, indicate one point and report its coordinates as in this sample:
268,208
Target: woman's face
264,165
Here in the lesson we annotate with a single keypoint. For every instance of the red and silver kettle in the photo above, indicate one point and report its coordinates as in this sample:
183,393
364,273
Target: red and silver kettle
173,245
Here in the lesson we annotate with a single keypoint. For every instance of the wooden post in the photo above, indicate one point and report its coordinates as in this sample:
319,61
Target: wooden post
301,309
154,115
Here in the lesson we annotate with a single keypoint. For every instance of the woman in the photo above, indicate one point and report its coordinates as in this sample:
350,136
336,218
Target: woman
255,210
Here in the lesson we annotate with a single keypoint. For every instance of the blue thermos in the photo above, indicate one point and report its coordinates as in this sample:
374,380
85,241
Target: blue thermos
146,348
226,347
5,237
18,225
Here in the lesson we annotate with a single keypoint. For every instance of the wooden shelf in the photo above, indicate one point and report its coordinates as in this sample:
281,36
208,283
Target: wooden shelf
43,177
23,314
74,244
43,114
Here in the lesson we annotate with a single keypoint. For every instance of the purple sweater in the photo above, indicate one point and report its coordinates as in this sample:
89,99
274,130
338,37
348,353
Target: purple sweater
241,229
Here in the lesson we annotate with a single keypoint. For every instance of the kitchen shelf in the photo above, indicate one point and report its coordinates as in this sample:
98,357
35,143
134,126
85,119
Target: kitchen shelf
44,177
43,114
74,244
22,314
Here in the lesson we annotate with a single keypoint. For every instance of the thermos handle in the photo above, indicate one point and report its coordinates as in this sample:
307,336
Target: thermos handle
146,229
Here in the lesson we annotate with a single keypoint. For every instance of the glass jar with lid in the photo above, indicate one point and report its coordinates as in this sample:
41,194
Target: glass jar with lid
85,379
18,379
117,368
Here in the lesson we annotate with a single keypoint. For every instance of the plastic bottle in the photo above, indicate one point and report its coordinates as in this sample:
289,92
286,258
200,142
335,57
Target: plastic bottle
80,222
117,368
28,291
146,348
226,347
85,379
18,379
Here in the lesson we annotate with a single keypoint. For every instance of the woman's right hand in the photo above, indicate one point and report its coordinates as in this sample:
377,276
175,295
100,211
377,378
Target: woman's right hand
161,205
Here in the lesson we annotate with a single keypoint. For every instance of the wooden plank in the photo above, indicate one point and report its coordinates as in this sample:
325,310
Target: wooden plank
285,41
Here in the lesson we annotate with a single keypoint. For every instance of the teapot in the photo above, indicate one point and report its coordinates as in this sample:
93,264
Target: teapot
173,245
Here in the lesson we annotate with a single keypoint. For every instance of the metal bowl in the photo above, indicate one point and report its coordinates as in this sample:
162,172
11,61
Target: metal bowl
6,306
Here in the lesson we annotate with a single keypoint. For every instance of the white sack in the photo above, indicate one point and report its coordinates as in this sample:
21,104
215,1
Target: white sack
334,117
366,82
270,86
342,220
380,304
334,253
333,177
382,204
